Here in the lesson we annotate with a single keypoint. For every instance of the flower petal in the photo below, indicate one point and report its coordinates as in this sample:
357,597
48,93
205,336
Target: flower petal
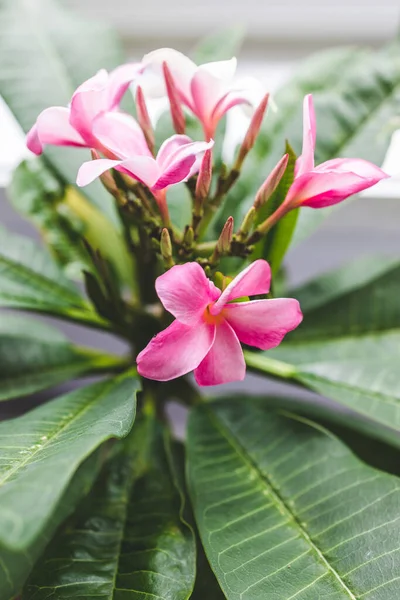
206,90
321,188
305,162
255,279
263,323
141,168
181,67
185,292
92,169
222,69
53,127
169,147
88,101
175,351
358,166
121,134
119,81
225,361
182,164
231,99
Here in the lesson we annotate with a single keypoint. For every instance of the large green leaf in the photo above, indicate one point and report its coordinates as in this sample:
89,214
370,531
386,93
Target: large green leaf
34,356
64,216
128,539
41,450
348,346
286,511
15,566
45,53
30,280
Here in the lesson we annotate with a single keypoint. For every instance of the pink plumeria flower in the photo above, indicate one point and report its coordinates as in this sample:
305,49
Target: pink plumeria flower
209,325
73,125
208,90
178,157
332,181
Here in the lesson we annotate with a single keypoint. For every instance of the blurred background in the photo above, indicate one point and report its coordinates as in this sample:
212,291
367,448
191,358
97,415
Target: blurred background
280,35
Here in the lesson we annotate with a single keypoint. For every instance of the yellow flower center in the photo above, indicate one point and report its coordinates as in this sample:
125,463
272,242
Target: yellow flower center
211,319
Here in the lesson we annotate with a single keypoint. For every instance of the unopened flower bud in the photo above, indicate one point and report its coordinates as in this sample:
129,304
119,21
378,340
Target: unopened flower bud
144,119
252,131
203,181
166,248
225,239
271,183
222,281
188,237
178,118
247,224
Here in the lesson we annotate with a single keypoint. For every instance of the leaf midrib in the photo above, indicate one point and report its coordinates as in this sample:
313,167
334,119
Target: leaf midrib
276,497
51,437
52,287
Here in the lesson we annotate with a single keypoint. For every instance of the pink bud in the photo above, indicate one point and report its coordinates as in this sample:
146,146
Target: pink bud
253,130
178,118
144,119
204,178
225,239
271,183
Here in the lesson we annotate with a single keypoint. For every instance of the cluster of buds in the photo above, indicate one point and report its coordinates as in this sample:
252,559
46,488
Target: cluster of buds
138,175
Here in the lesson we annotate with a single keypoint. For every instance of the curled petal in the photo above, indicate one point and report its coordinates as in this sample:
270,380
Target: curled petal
185,292
119,81
92,169
182,162
358,166
169,148
263,323
121,134
222,69
254,280
175,351
53,127
228,101
141,168
306,161
325,188
224,362
87,102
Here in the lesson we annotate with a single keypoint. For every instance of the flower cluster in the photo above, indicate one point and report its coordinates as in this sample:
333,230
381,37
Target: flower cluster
213,314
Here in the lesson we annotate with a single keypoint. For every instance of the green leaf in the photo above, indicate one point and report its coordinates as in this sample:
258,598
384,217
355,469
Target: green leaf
30,280
42,450
64,216
286,511
219,45
274,245
46,52
129,535
34,356
16,566
348,346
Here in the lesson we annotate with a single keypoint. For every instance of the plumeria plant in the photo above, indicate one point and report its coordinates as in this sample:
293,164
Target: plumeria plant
160,233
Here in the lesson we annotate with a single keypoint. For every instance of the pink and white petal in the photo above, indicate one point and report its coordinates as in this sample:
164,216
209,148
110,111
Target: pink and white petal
119,81
225,361
254,280
53,127
87,102
221,69
120,134
185,292
326,188
263,323
92,169
182,164
305,162
141,168
231,99
169,147
206,91
360,167
175,351
181,67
